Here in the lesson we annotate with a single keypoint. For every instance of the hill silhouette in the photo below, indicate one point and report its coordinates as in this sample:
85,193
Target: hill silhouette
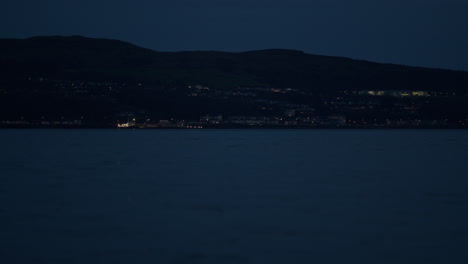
87,58
97,80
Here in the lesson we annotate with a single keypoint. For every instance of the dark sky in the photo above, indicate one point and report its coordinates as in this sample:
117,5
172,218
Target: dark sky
432,33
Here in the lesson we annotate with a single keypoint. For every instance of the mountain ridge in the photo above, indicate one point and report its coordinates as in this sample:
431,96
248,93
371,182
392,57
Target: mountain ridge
266,50
99,79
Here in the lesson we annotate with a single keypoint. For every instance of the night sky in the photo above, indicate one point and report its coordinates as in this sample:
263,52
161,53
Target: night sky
431,33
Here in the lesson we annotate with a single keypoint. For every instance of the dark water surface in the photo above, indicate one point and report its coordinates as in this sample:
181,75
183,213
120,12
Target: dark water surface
233,196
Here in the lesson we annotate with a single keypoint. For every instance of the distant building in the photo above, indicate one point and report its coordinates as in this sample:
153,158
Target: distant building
164,122
290,112
338,119
251,120
395,93
214,119
125,125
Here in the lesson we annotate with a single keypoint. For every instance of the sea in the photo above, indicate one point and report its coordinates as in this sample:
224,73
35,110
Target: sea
233,196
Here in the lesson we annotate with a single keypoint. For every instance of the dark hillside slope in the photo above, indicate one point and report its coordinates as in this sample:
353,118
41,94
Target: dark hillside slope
85,58
102,82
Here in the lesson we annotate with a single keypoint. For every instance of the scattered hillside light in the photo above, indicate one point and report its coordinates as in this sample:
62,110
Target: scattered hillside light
420,93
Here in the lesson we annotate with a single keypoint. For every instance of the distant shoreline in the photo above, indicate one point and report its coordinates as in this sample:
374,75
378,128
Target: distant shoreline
236,128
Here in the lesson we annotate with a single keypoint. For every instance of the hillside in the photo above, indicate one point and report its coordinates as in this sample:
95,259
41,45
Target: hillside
86,58
103,81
